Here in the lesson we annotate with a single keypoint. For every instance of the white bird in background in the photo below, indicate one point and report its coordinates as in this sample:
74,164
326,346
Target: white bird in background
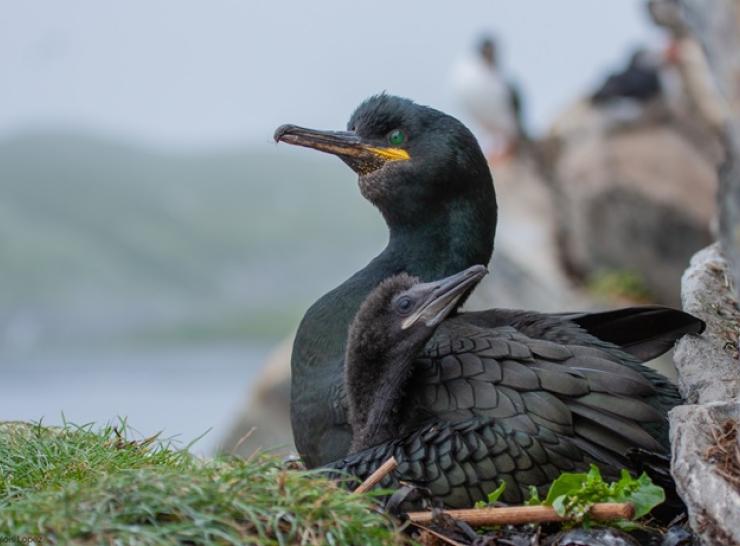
491,101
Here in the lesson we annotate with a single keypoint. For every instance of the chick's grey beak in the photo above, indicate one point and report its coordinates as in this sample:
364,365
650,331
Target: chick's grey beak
439,298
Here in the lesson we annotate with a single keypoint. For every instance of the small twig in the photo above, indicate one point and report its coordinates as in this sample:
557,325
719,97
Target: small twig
515,515
373,479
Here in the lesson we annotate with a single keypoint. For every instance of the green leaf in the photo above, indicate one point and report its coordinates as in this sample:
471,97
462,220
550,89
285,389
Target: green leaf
566,484
594,475
558,504
625,485
534,497
572,494
625,479
493,496
646,496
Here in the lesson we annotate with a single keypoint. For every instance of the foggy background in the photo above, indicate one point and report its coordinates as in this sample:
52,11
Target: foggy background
183,73
154,242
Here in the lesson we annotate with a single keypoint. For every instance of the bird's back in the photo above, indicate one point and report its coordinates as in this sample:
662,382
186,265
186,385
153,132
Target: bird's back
544,369
520,397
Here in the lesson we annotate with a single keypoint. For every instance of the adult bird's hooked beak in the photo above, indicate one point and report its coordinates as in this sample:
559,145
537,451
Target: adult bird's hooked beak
439,298
362,157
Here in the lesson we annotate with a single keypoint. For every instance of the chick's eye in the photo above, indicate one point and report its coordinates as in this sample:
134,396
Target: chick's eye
396,137
404,304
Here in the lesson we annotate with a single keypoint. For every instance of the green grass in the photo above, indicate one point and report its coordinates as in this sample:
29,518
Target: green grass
81,485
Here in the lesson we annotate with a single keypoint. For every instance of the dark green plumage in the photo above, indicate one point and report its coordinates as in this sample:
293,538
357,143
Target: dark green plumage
447,223
504,406
498,394
386,337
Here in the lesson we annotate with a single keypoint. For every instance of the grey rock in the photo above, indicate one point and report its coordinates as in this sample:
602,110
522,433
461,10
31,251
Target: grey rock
678,536
716,23
713,503
729,200
709,369
707,365
638,198
709,378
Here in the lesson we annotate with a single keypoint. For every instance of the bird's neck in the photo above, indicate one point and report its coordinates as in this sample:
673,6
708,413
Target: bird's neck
375,389
444,243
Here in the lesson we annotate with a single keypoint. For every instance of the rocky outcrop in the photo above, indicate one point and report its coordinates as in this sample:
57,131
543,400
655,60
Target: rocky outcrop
634,195
716,24
708,366
706,453
705,450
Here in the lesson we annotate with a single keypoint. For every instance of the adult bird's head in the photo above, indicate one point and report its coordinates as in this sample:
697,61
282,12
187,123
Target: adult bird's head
412,160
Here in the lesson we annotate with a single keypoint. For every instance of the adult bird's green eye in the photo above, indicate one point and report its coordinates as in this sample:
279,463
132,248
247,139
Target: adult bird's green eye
396,137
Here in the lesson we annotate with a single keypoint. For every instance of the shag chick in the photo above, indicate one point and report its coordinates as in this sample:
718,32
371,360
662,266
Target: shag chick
388,333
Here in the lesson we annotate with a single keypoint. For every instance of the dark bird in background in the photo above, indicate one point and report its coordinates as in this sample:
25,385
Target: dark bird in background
388,333
639,81
494,395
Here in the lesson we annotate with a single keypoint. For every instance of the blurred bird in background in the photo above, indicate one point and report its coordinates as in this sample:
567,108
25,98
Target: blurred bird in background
491,100
639,81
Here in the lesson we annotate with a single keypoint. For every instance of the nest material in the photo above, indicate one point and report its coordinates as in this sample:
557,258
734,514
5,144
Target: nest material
724,452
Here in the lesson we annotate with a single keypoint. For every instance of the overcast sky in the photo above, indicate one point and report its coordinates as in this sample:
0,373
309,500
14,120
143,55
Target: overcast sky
187,73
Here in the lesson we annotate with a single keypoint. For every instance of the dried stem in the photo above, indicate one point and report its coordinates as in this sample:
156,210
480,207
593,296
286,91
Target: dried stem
375,478
515,515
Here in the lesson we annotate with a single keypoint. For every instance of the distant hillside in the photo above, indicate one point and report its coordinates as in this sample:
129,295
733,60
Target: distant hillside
100,239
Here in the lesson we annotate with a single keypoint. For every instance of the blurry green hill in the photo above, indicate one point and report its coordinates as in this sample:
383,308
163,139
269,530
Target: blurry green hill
101,239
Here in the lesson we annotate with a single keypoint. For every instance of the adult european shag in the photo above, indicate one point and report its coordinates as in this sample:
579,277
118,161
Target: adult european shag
538,392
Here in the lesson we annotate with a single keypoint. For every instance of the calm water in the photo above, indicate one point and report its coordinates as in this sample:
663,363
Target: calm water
181,391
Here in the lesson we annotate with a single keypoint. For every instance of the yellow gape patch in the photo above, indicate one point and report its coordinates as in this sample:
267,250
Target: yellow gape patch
390,154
